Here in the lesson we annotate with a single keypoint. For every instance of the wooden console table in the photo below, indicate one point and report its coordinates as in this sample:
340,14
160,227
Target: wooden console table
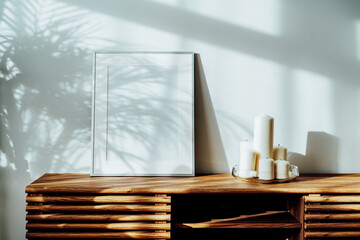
77,206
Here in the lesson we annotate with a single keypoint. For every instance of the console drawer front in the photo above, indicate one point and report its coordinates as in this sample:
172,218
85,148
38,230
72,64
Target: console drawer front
98,216
332,216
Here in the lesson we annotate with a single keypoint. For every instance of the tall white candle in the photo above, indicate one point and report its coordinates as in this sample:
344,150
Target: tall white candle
282,168
279,153
246,163
246,145
266,169
264,135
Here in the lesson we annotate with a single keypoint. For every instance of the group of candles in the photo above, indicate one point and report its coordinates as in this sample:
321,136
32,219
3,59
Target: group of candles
260,159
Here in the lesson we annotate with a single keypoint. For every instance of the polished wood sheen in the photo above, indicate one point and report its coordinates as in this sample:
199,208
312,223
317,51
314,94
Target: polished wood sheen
338,234
96,217
98,208
337,207
99,226
97,199
332,216
330,225
332,199
99,235
219,183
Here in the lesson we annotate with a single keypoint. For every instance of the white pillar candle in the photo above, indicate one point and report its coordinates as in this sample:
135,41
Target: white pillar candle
280,153
246,163
266,169
264,135
282,168
246,145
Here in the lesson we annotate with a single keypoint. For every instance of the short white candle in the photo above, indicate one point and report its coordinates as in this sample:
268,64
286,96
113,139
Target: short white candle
266,169
282,168
246,145
246,163
279,153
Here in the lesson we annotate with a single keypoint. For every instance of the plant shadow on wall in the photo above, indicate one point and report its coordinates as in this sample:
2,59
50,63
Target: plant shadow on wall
145,118
45,97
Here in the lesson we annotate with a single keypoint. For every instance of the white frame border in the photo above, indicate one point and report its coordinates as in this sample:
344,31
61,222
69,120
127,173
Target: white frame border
92,169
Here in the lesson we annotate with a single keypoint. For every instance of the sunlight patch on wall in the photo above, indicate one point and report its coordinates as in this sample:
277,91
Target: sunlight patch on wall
3,159
357,30
257,15
144,37
312,105
358,111
174,3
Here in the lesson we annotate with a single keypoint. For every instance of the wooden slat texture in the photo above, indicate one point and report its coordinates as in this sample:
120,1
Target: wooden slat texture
333,216
332,199
337,234
97,199
98,226
333,208
219,183
160,213
98,235
97,217
342,225
98,208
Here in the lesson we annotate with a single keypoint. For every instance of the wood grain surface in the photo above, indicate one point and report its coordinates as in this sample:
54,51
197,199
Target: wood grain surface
337,234
99,235
218,183
98,199
96,217
98,208
332,216
99,226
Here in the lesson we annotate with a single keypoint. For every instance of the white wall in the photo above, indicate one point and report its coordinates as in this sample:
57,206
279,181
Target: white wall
297,61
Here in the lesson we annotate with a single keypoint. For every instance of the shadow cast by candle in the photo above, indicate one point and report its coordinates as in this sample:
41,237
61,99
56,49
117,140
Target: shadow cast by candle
321,154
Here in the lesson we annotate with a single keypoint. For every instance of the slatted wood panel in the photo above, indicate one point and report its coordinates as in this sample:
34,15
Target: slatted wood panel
56,216
329,216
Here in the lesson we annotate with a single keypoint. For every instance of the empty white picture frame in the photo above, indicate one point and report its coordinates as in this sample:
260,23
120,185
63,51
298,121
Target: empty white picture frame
142,114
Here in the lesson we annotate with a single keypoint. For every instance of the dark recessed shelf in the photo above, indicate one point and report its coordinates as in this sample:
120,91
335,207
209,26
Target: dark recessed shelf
267,220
